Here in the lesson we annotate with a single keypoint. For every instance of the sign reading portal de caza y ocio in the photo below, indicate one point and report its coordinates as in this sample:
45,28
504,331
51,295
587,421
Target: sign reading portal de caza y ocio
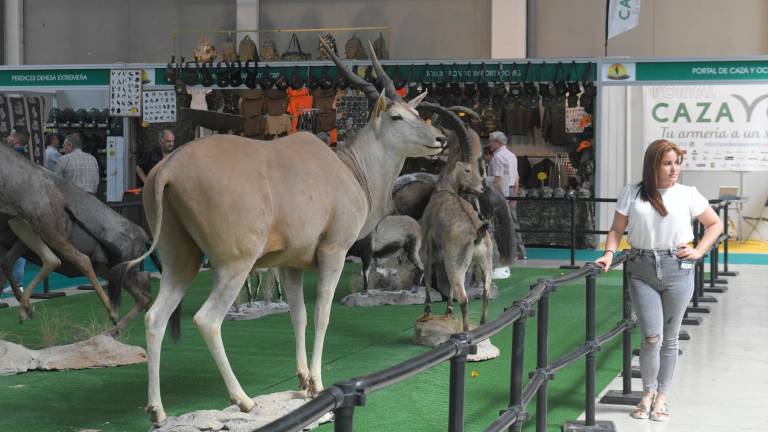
54,78
720,127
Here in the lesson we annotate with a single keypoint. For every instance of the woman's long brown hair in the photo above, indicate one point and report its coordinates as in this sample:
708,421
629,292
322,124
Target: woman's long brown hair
649,190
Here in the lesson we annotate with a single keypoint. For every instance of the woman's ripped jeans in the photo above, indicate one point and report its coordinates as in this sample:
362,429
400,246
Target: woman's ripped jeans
660,286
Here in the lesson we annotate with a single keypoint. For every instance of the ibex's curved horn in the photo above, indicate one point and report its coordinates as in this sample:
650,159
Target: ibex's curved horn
354,80
454,122
386,82
462,109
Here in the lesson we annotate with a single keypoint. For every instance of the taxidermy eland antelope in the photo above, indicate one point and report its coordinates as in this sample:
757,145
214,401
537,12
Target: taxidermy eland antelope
454,237
197,198
53,222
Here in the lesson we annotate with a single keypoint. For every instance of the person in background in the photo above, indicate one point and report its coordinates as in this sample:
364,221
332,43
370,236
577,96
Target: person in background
19,141
502,169
78,166
658,213
52,154
165,145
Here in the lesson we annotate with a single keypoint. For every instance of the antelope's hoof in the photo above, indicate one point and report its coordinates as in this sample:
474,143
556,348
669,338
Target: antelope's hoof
314,388
156,415
304,381
113,317
245,404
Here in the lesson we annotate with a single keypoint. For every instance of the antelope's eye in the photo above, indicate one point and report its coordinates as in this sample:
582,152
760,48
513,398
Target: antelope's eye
397,117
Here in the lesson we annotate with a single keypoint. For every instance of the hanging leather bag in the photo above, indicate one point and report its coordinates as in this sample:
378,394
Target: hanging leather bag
250,74
235,79
207,72
294,52
170,71
222,74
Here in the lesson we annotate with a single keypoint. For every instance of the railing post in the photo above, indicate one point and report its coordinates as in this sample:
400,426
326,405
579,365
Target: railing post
456,394
698,281
591,366
572,205
353,395
589,423
626,396
725,271
542,360
518,363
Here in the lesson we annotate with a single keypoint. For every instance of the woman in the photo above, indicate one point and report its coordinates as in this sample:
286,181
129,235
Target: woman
658,213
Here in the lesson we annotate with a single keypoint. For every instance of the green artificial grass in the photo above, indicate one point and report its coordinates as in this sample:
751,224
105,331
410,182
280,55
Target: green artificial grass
359,341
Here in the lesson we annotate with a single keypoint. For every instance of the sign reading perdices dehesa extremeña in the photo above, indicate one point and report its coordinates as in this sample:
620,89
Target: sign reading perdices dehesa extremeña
720,127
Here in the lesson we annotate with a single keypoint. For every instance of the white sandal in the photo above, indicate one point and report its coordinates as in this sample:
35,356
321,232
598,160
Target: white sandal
643,409
660,414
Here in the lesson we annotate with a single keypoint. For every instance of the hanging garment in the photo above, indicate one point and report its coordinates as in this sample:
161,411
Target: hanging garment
517,116
553,125
488,117
277,125
324,102
231,102
198,97
299,101
277,102
253,106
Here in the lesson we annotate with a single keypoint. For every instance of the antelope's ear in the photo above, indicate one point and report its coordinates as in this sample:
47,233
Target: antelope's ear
413,103
379,108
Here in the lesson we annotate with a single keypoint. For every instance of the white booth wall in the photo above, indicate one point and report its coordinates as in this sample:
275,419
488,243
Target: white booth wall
620,159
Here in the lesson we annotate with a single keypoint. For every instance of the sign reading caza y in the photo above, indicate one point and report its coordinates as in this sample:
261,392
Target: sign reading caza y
720,128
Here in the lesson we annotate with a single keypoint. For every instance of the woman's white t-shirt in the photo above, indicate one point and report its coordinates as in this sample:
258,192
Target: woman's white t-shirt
648,229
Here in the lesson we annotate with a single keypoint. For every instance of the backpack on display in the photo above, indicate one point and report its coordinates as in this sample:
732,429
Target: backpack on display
331,42
269,50
204,51
228,53
380,48
353,49
247,50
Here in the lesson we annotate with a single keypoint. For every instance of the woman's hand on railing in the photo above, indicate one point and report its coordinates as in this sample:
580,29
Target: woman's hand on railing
605,260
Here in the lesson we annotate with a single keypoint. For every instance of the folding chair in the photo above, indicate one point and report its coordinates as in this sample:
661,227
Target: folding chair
756,222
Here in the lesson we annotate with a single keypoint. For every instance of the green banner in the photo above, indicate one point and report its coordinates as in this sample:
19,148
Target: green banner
703,71
54,78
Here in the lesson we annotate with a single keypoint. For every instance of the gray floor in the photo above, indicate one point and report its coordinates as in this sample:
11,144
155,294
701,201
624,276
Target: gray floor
721,380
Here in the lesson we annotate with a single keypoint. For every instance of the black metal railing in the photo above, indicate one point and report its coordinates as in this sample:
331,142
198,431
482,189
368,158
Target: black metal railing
344,397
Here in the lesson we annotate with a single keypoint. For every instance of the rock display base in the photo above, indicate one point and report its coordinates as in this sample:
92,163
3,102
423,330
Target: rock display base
376,297
256,310
433,330
475,292
98,351
485,351
268,408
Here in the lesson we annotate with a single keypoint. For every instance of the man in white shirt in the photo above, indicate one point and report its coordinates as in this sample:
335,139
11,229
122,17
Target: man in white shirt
502,169
78,166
